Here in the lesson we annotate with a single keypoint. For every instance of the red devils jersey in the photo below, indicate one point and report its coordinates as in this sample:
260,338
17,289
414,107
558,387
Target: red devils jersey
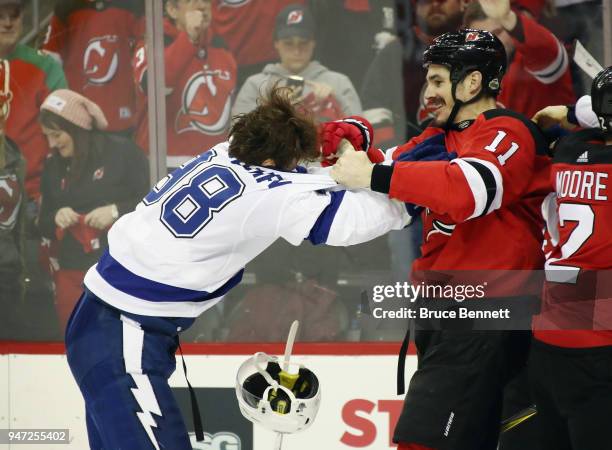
95,42
200,83
482,208
248,26
578,289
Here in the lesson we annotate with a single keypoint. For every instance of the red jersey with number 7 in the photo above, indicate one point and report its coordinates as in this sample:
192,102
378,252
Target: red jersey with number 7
577,297
482,208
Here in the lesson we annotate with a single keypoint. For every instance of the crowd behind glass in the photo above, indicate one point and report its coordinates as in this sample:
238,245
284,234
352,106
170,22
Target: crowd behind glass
340,58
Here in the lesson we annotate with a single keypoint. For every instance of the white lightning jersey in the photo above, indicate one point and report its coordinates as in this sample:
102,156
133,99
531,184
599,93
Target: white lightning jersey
187,242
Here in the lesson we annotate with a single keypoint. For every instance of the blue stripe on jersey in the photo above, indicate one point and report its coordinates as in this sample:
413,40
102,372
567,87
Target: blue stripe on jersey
122,279
320,230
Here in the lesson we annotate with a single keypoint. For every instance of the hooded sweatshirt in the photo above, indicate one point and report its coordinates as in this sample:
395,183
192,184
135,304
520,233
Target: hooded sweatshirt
344,101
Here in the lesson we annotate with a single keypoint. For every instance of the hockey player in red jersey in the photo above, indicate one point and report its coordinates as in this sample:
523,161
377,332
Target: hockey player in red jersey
538,68
200,80
573,332
95,42
486,197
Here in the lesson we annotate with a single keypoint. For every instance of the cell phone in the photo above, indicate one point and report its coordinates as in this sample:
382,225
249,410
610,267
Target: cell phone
296,83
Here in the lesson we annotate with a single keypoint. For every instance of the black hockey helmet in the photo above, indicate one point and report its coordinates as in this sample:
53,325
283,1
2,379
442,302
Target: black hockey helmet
601,98
466,50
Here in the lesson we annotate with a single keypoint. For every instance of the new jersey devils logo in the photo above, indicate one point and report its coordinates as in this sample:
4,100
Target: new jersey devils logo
10,199
206,103
295,17
472,36
101,59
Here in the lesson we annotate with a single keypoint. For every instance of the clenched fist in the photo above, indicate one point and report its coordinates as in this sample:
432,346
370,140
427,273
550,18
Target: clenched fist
353,170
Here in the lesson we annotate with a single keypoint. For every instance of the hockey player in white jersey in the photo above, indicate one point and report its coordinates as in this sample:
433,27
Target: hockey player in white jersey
183,248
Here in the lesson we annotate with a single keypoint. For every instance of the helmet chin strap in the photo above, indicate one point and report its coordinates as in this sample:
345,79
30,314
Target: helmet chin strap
459,103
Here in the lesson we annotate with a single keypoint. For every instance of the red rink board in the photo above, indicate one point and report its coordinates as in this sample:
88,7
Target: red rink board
314,348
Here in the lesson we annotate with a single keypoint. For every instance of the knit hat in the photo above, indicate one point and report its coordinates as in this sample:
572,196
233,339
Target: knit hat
76,109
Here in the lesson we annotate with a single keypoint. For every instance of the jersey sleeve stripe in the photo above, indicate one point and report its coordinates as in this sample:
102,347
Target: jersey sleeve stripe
139,287
499,183
484,180
320,230
555,70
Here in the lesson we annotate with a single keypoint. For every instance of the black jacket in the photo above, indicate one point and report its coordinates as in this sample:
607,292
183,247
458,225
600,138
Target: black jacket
116,171
12,205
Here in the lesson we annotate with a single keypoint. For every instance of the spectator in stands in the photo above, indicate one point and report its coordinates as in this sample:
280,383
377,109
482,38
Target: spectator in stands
95,41
91,178
200,81
33,77
12,201
538,72
246,27
328,94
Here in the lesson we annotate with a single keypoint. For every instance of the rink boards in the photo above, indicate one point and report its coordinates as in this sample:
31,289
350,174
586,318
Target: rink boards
358,410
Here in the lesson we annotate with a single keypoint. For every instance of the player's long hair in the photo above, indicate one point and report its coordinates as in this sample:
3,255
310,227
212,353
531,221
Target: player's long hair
82,141
275,130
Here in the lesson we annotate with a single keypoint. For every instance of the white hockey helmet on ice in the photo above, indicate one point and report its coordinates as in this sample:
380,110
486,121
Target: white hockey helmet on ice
279,400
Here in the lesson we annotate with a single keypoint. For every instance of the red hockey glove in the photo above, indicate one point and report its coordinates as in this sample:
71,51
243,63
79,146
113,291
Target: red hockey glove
357,130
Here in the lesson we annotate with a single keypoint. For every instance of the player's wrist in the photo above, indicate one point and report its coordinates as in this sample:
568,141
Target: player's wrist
570,114
114,211
380,178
